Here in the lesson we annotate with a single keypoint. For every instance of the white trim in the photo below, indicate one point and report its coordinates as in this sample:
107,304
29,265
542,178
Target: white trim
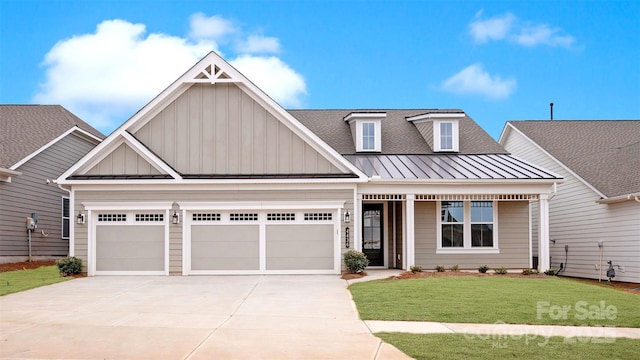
70,217
126,206
513,128
410,258
262,205
365,115
50,143
543,234
467,247
6,174
72,223
431,116
619,198
437,136
211,181
149,156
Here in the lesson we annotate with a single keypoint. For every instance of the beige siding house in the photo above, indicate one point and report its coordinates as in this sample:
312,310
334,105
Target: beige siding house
37,144
595,214
214,177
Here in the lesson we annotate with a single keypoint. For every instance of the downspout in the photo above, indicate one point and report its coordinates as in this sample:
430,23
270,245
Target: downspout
555,191
637,198
72,219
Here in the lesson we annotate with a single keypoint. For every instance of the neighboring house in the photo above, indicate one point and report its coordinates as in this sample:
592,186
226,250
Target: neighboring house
595,214
214,177
37,144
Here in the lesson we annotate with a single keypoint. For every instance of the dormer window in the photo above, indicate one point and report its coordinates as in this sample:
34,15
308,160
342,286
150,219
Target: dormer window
445,135
367,130
440,130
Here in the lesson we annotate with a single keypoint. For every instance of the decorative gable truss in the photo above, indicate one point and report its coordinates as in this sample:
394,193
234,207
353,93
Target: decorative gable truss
212,125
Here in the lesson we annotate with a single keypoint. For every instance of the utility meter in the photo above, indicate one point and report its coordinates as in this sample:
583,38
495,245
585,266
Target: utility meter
32,221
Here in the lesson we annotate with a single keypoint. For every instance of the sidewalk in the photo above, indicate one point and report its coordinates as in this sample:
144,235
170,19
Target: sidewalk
417,327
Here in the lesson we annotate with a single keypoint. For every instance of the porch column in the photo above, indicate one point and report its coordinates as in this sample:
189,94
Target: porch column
543,233
357,224
410,258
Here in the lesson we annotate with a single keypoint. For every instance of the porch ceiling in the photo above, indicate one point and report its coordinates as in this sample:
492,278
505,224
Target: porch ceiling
448,166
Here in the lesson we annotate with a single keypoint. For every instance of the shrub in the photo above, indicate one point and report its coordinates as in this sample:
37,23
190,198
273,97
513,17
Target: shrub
416,268
70,265
355,261
439,268
455,267
501,270
483,269
529,272
550,272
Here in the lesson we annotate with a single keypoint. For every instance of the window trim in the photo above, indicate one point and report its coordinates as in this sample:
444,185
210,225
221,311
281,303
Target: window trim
437,136
467,248
67,218
377,136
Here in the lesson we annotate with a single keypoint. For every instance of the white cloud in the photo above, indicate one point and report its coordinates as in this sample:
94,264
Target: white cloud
509,27
273,76
475,80
213,27
106,76
495,28
543,34
259,44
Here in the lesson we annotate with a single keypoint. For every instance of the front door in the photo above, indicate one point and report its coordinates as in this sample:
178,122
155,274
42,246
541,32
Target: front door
372,234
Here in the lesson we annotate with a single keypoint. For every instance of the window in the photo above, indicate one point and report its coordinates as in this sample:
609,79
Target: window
467,226
112,217
65,217
452,222
149,217
445,136
368,136
481,224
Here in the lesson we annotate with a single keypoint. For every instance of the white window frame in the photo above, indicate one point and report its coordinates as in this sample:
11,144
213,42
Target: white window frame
67,218
377,136
437,136
467,248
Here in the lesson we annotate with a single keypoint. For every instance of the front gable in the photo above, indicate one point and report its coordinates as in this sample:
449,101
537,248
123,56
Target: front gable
210,124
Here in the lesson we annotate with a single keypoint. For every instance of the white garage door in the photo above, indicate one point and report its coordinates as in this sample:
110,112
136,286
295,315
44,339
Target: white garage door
130,243
249,242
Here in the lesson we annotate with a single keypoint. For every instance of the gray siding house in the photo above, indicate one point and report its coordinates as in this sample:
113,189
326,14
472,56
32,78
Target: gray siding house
214,177
594,216
37,144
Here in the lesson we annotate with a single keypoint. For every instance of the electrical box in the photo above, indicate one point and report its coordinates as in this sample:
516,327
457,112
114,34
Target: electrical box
31,224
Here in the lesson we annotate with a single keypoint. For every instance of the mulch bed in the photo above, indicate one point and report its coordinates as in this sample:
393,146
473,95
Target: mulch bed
26,265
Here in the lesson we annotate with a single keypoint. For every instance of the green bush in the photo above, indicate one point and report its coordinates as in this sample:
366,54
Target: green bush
455,267
529,272
355,261
416,268
550,272
483,269
440,268
70,265
501,270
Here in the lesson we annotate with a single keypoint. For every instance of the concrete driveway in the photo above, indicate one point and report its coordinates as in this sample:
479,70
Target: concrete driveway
196,317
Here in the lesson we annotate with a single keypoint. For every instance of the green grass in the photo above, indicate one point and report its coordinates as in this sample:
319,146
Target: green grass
460,346
496,299
20,280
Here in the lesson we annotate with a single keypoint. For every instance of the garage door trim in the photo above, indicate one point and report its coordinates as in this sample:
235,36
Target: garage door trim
334,207
93,208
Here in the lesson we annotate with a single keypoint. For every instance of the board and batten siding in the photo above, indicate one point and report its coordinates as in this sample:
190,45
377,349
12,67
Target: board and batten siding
175,231
219,129
28,193
513,239
578,221
123,161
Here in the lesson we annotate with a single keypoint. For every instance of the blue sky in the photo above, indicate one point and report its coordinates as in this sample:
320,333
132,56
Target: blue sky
496,60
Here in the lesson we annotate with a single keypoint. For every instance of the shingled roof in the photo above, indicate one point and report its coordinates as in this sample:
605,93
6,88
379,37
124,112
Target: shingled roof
26,128
399,136
605,153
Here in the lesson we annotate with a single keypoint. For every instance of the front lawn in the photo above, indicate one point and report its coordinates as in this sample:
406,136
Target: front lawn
459,346
492,299
20,280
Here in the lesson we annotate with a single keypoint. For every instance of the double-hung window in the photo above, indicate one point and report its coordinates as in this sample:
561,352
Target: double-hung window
446,136
368,136
467,227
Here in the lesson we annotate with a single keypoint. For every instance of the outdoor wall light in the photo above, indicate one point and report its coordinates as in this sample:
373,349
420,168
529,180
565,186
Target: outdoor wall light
175,218
346,237
347,217
80,218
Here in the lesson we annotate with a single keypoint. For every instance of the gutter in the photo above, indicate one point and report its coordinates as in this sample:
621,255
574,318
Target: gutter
620,198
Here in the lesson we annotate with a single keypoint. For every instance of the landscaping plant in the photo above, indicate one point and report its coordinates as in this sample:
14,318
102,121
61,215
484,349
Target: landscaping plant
355,261
70,265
